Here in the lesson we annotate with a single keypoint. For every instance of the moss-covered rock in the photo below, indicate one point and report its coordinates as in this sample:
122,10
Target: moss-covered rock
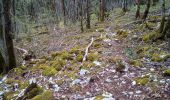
46,95
166,72
31,91
142,80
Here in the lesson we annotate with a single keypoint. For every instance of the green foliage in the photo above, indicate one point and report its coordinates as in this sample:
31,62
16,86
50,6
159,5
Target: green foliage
46,95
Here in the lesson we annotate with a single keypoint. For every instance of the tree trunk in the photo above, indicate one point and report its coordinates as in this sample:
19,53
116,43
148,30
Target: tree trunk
166,31
102,13
81,14
124,5
145,15
9,42
138,9
64,10
163,17
87,14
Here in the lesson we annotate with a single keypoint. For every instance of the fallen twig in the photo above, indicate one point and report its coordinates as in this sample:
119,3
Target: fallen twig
87,49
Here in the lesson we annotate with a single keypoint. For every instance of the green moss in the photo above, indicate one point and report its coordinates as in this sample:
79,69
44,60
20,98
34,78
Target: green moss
49,71
31,91
75,50
142,80
166,72
92,56
8,95
114,59
47,95
122,33
79,58
99,97
55,54
58,64
18,71
150,36
87,65
97,45
66,55
156,57
136,63
99,39
70,74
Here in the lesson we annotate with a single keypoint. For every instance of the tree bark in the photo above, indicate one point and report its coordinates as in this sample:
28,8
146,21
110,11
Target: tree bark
138,9
64,10
124,5
88,14
145,15
102,13
9,42
81,14
163,17
166,31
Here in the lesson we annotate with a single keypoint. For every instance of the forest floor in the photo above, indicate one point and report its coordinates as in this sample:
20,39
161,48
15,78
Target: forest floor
123,63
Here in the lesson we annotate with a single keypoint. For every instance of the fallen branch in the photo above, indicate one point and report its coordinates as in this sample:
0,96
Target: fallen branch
23,51
87,49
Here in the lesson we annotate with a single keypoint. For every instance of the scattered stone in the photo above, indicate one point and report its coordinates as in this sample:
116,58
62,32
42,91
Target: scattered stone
108,80
107,40
32,80
83,72
133,83
97,63
153,78
138,92
76,81
107,96
15,87
162,81
152,69
56,88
